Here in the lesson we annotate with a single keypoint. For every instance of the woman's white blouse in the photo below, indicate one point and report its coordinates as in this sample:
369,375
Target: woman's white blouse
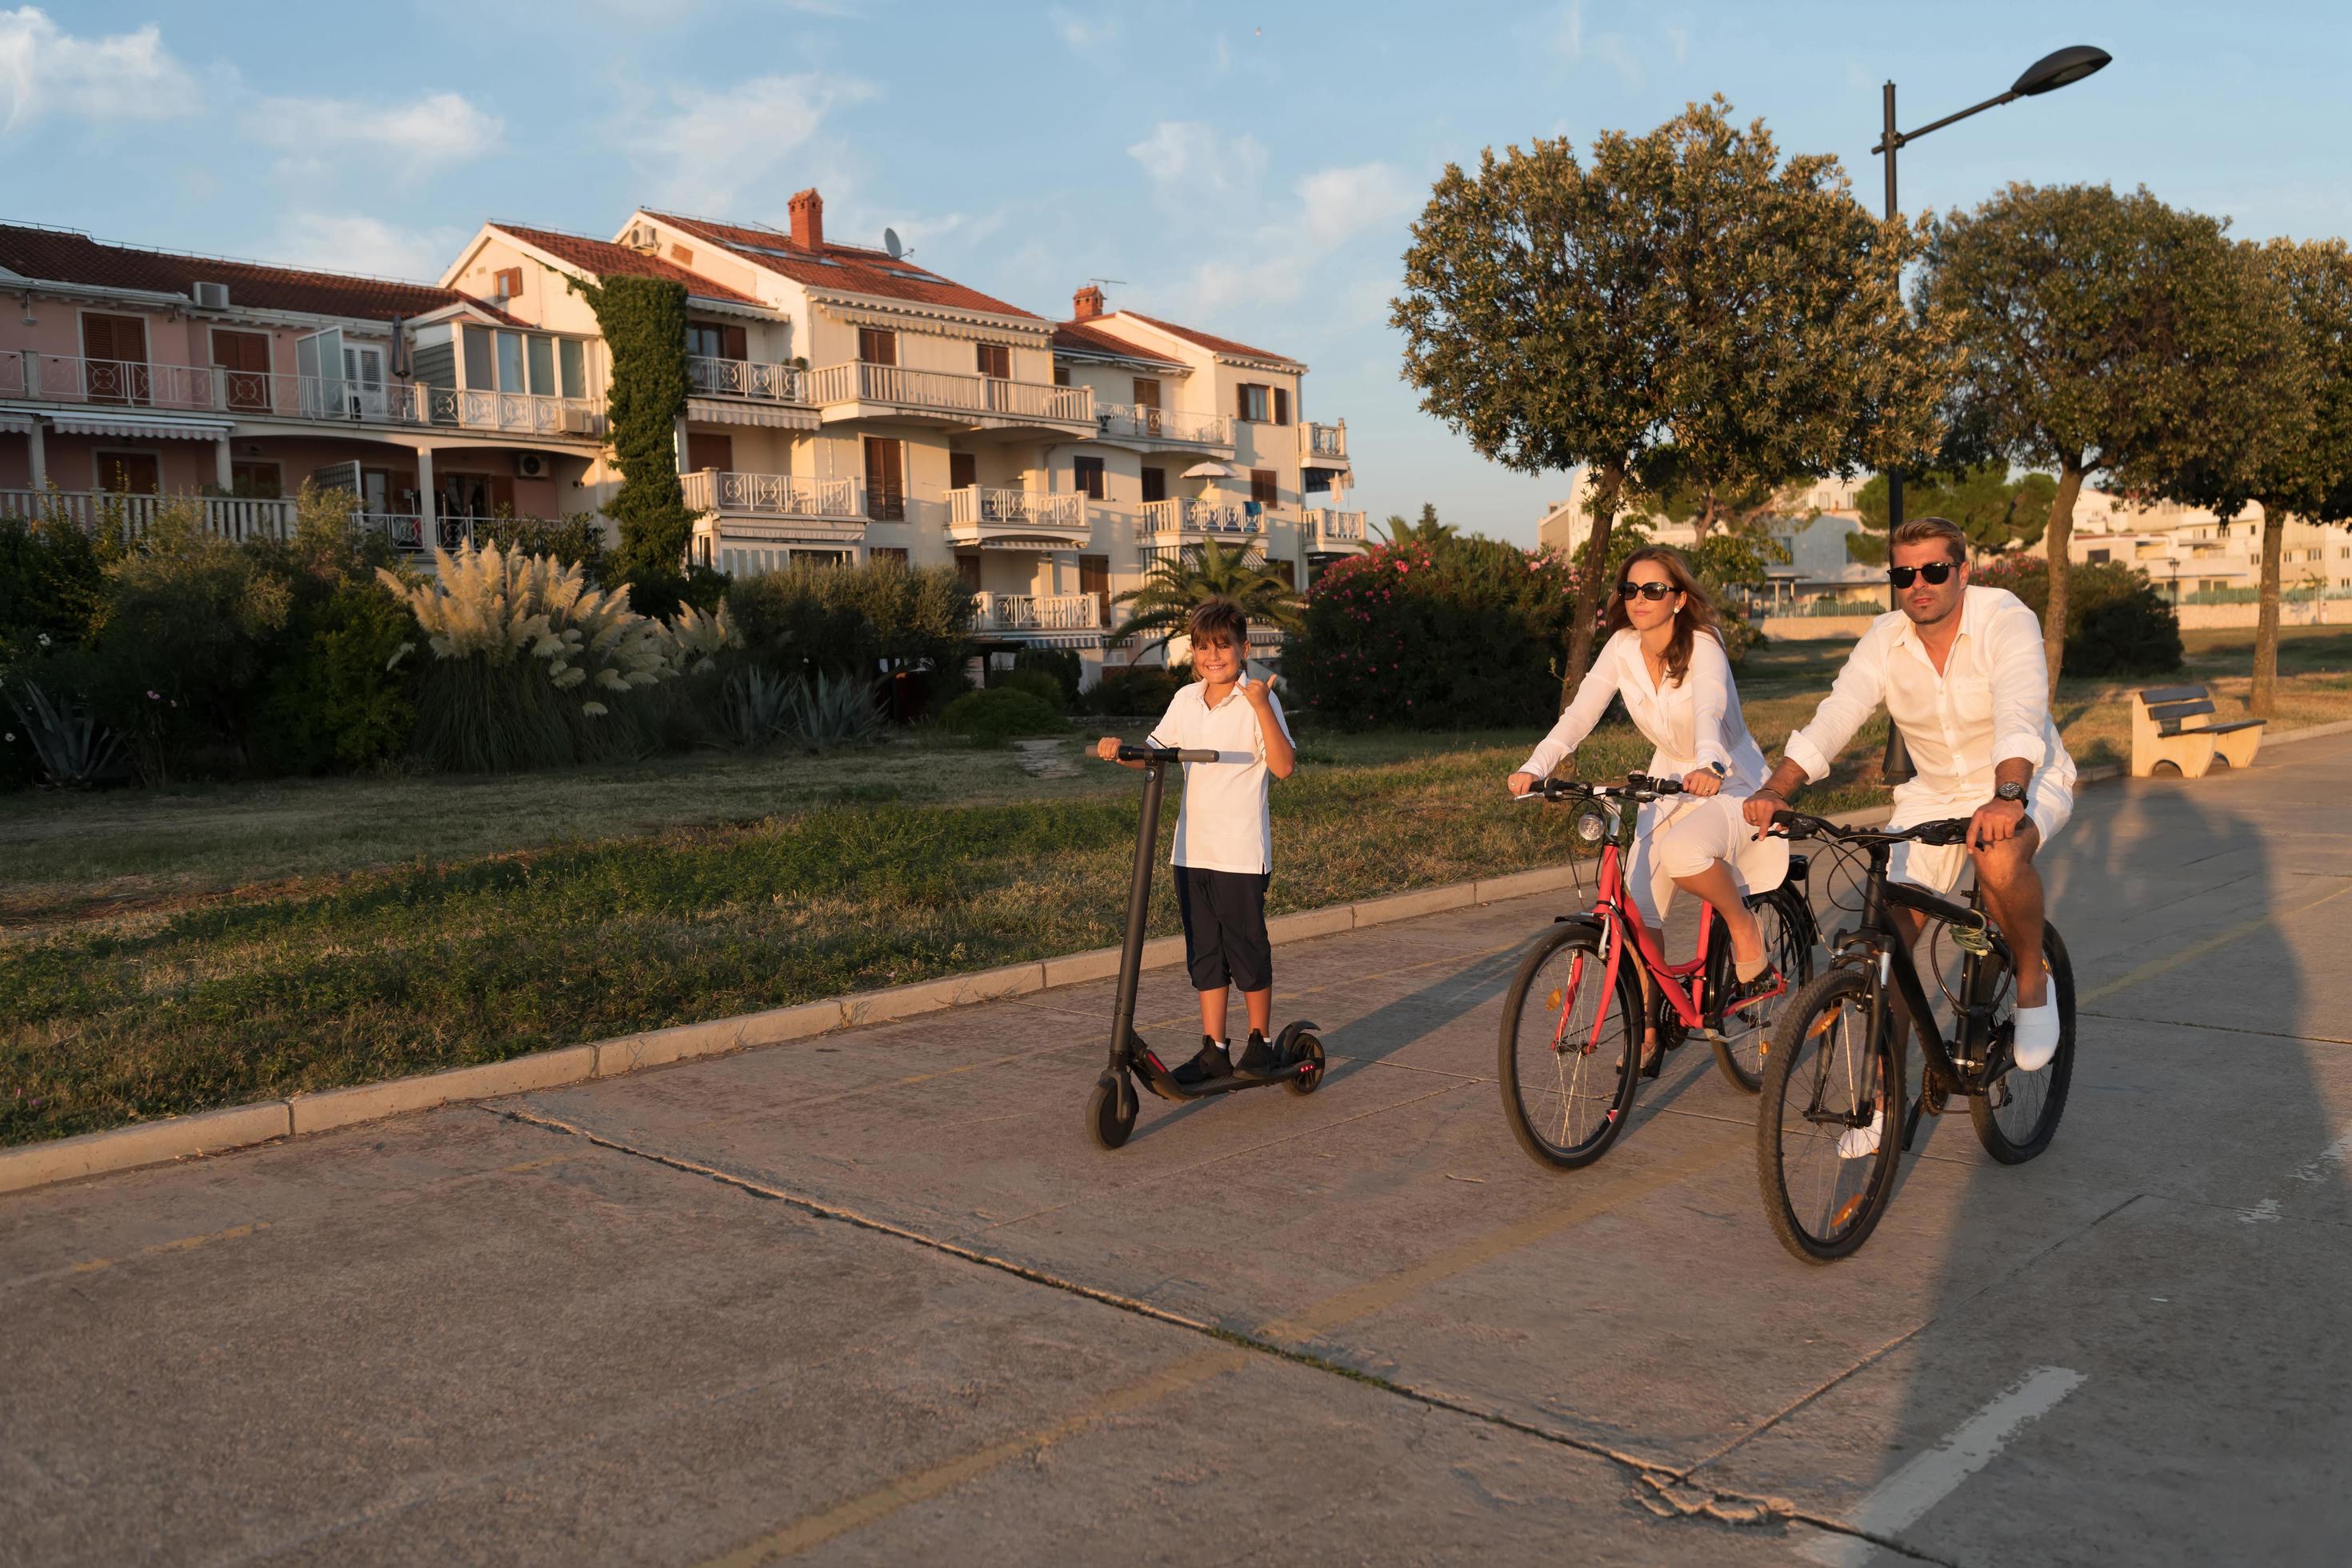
1690,725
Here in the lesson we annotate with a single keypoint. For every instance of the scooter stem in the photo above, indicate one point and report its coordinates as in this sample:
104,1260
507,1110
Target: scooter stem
1139,909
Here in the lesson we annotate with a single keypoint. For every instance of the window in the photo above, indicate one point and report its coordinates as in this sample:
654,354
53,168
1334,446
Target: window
479,352
1093,577
511,376
886,480
963,471
709,339
2098,557
262,482
1155,484
573,354
1262,486
888,555
114,350
1284,570
1087,475
1314,482
497,360
876,346
131,473
542,365
1147,391
243,360
1282,405
1061,376
705,450
1250,403
996,359
506,282
968,570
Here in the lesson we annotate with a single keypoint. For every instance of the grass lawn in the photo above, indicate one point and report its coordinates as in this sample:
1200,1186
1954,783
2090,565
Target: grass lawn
167,954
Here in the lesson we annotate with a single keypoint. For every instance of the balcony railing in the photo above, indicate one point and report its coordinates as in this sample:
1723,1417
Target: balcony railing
709,377
410,534
213,389
1330,527
1039,611
1328,442
1137,421
1181,514
772,495
942,392
236,518
974,505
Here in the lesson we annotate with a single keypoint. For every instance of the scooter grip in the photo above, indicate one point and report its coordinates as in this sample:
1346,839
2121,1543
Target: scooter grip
1195,756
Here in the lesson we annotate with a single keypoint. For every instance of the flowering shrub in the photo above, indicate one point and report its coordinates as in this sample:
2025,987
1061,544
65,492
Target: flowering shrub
1452,635
2117,623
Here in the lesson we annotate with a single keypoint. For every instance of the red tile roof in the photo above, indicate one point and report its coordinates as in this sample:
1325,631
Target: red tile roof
65,255
855,270
607,260
1215,344
1087,339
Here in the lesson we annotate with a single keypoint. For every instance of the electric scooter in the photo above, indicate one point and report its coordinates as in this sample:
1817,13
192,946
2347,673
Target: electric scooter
1110,1110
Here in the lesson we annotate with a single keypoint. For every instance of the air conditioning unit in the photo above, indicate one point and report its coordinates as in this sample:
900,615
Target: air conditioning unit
212,296
532,465
642,237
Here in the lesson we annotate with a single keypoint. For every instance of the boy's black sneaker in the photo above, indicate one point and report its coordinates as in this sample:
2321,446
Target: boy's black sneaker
1209,1062
1257,1057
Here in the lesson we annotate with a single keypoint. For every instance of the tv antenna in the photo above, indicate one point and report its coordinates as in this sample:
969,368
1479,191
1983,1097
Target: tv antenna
1099,281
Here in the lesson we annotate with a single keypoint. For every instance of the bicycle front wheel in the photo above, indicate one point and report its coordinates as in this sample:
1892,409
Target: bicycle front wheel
2018,1113
1570,1048
1830,1130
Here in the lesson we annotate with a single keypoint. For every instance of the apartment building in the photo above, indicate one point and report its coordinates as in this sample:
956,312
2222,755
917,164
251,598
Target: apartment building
129,374
1813,532
2186,550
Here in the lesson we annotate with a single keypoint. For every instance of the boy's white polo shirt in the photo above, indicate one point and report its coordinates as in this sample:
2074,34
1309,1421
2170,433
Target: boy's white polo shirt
1225,824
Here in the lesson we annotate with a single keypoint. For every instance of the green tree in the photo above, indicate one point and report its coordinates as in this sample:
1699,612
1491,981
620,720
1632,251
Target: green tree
1176,585
2098,333
1735,503
1687,287
1426,530
1998,510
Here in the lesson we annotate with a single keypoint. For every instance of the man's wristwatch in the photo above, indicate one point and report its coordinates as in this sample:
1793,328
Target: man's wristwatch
2010,792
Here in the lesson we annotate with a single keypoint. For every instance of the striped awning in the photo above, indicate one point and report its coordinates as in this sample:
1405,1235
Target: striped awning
1019,541
15,424
740,411
166,425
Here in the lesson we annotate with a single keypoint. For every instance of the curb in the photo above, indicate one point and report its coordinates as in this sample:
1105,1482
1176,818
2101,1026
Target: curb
268,1120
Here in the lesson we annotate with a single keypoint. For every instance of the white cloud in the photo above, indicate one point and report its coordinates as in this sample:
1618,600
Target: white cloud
129,76
1611,48
1187,160
1295,241
1085,32
1678,39
1339,203
1568,31
718,143
417,136
355,243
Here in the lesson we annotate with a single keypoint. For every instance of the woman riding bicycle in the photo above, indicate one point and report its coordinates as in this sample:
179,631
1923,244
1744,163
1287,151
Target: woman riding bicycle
1665,660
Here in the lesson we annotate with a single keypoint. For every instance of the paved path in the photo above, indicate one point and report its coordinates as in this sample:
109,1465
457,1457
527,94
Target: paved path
875,1298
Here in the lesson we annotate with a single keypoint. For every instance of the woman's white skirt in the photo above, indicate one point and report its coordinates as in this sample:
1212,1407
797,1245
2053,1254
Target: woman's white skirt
1679,836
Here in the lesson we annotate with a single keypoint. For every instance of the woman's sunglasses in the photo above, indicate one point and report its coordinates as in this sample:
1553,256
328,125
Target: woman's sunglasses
1653,592
1936,571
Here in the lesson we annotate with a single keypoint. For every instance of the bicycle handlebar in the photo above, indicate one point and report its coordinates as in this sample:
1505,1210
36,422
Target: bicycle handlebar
1163,754
1636,787
1801,825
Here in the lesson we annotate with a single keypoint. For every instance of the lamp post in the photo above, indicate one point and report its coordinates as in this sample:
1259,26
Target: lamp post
2047,74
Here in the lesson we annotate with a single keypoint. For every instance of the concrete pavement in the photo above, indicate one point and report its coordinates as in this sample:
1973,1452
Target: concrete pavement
874,1297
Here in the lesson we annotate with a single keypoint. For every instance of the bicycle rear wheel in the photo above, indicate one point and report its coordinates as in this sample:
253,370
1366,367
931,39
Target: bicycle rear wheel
1830,1070
1744,1039
2018,1113
1569,1048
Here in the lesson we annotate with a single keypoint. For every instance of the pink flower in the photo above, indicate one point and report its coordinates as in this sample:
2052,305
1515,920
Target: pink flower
154,697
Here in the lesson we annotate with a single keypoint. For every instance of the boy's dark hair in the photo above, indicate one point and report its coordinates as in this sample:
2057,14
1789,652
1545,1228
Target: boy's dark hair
1219,620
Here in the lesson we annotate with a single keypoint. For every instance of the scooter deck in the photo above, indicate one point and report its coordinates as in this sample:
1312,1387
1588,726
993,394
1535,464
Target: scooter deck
1163,1083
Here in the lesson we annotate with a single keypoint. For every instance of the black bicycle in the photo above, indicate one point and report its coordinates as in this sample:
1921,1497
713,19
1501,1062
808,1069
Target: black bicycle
1834,1079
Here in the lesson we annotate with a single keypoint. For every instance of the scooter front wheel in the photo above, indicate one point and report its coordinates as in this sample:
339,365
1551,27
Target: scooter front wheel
1111,1115
1306,1066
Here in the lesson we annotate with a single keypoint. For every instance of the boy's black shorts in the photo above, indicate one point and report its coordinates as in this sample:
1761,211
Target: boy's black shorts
1225,928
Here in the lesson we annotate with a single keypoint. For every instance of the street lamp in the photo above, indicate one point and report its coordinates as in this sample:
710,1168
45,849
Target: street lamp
2048,74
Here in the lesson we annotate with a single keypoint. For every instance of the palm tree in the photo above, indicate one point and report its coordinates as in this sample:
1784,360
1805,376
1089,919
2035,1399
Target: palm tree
1426,529
1175,586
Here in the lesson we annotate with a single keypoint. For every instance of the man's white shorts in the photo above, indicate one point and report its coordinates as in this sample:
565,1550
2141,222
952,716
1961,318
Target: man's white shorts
2049,801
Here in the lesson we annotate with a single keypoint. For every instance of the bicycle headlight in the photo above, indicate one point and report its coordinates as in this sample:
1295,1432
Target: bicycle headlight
1590,824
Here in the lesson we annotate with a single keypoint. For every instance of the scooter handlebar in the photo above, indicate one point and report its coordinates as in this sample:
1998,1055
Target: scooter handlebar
1163,754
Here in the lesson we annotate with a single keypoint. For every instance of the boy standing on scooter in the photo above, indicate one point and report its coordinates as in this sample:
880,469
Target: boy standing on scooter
1224,835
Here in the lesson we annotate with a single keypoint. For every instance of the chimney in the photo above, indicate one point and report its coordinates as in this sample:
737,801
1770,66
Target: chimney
1087,304
808,220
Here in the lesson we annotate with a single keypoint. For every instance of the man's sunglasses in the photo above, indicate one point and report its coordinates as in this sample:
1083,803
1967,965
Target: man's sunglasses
1653,592
1936,571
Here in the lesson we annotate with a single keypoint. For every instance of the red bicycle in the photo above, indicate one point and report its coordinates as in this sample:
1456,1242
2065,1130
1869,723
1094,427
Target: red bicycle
1570,1059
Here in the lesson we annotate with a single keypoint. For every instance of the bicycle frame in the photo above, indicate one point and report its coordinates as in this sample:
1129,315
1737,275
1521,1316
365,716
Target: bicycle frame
1614,907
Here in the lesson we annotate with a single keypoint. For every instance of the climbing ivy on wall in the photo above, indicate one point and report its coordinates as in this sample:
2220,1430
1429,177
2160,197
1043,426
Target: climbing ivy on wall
644,324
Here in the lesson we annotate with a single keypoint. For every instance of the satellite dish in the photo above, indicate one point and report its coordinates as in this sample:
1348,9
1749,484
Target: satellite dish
891,243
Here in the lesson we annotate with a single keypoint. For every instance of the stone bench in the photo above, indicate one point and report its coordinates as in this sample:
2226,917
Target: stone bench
2174,725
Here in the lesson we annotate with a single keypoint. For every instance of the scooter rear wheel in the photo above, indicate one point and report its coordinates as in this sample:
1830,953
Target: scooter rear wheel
1111,1115
1307,1080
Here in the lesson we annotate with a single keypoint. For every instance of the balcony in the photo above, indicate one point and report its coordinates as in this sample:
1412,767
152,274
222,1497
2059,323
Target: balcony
775,509
233,518
1180,516
1323,446
1038,613
862,391
64,379
707,377
1331,531
1141,423
1017,519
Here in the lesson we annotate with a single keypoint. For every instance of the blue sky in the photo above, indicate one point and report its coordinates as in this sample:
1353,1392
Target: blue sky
1249,169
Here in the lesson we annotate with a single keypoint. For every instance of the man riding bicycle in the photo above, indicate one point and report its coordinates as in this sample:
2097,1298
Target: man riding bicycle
1963,676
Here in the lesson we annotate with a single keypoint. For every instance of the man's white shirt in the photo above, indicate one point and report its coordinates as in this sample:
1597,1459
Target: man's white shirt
1990,703
1226,824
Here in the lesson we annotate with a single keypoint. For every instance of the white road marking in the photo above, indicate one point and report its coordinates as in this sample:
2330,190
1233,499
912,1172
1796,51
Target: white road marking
2310,1174
1895,1503
2268,1209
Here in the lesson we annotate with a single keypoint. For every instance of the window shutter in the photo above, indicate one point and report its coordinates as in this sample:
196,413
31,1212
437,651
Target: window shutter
1282,405
1240,402
736,345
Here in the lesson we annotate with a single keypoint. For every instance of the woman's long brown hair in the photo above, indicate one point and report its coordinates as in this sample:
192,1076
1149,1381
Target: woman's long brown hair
1698,614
